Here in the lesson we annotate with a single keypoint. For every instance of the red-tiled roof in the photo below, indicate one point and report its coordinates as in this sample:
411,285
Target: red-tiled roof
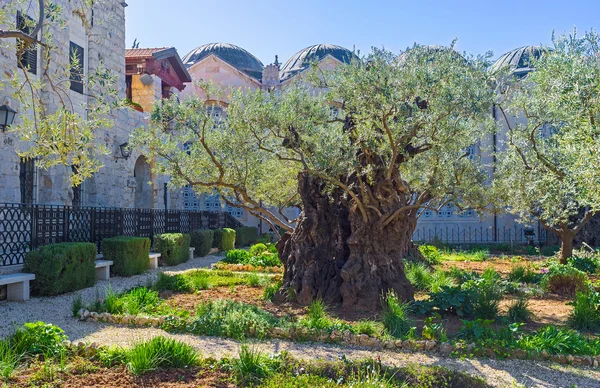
143,52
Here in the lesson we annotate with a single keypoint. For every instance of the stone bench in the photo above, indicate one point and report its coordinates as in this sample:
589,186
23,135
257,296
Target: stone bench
192,252
17,285
103,269
154,260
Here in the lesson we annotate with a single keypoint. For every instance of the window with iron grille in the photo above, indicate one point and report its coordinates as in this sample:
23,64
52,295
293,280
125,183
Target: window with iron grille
77,190
27,177
76,59
26,55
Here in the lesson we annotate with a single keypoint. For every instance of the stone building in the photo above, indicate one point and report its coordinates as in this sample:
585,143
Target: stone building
97,37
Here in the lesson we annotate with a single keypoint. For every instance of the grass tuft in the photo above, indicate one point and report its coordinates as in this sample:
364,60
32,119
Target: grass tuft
395,315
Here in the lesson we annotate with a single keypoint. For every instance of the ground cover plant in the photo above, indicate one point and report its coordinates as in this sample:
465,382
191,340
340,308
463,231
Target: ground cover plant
162,360
258,255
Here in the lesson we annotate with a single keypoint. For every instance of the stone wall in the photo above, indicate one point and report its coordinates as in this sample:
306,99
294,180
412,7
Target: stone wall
103,39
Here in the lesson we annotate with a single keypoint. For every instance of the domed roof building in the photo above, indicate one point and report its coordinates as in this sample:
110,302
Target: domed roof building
316,53
230,53
519,60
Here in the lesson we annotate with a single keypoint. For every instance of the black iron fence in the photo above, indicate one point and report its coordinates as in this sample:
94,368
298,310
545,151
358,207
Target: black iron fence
475,235
27,227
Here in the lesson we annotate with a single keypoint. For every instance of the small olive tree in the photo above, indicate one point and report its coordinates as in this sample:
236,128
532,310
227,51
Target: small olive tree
50,128
549,167
398,144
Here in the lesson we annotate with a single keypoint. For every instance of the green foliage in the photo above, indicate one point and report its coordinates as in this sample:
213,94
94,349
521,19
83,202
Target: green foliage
38,338
462,275
265,238
585,261
449,300
160,352
487,294
252,366
317,316
473,255
564,280
433,329
174,248
559,341
270,291
202,279
128,254
76,304
439,280
395,315
477,329
61,268
549,250
418,275
549,165
523,274
237,256
136,301
228,239
518,310
231,319
368,327
254,280
586,311
246,235
258,249
202,240
9,359
431,254
218,239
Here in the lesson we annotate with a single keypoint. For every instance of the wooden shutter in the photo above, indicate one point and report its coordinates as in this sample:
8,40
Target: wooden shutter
26,59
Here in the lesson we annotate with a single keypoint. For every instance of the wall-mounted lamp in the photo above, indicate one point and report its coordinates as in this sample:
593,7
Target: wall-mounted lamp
146,79
125,151
7,116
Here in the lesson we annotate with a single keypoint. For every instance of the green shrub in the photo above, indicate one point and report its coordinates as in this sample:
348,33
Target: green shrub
559,341
228,239
233,319
317,316
39,338
245,236
564,280
61,268
518,310
431,254
218,239
76,304
439,280
523,274
160,352
549,250
586,311
174,248
450,300
270,291
266,259
237,256
486,295
395,315
128,254
258,249
584,261
202,240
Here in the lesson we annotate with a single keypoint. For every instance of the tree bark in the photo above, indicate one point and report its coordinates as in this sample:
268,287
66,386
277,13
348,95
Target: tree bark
336,256
566,247
314,254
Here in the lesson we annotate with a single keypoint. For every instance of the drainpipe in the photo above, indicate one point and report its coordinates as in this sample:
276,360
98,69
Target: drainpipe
494,142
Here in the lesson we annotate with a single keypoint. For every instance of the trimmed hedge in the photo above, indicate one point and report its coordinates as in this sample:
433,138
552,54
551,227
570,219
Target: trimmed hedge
246,236
174,248
128,254
228,240
62,267
202,240
218,239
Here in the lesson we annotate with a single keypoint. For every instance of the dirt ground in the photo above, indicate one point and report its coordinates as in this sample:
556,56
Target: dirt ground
119,377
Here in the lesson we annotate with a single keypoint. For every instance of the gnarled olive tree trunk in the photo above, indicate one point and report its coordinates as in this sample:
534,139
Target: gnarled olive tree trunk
336,256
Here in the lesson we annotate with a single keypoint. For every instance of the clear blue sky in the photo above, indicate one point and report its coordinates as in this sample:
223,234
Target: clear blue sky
267,27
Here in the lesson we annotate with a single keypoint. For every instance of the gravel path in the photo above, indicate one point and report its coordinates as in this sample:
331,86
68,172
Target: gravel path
57,310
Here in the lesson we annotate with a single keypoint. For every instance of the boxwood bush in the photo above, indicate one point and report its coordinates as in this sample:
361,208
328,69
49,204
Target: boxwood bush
61,268
228,239
202,240
218,239
245,236
174,248
128,254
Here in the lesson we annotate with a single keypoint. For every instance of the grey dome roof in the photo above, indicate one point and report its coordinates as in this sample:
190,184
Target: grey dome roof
519,60
230,53
303,58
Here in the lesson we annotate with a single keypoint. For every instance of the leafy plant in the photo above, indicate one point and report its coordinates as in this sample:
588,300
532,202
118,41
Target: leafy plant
518,310
76,304
558,341
160,352
431,254
237,256
586,311
365,326
585,261
477,329
395,315
39,338
433,328
462,275
564,280
9,358
317,316
258,249
252,366
486,294
523,274
270,290
439,280
450,300
254,280
418,275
